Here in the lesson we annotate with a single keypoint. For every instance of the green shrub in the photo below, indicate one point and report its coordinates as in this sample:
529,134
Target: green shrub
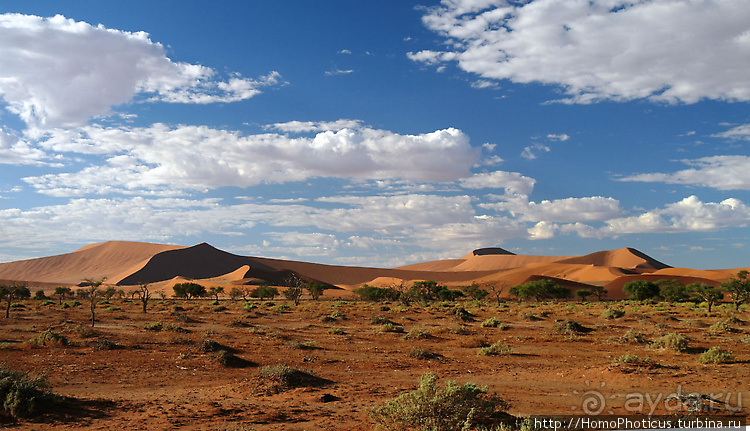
22,395
391,327
249,306
496,349
721,326
161,326
282,308
302,345
229,359
431,407
416,333
632,337
492,322
282,377
570,327
716,355
419,353
612,313
47,302
48,337
672,341
380,320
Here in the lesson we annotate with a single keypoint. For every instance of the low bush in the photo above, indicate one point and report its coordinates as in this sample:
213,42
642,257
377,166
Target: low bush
302,345
425,354
21,395
496,349
570,327
672,341
721,326
48,338
716,355
391,327
494,322
449,408
282,377
229,359
632,337
612,313
417,333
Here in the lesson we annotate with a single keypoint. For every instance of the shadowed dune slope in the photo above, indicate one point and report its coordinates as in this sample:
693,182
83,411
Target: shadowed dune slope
620,258
200,261
203,261
107,259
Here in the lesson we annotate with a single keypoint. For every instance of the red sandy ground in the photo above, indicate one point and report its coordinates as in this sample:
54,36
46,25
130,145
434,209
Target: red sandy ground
163,380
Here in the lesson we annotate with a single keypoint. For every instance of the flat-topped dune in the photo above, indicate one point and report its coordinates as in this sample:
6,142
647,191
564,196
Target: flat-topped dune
131,263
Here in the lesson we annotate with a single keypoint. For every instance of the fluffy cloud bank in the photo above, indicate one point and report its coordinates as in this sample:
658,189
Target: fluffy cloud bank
164,160
719,172
668,50
57,72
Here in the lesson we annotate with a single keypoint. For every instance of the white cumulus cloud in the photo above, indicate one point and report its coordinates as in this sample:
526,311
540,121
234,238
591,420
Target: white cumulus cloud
166,160
57,72
674,51
719,172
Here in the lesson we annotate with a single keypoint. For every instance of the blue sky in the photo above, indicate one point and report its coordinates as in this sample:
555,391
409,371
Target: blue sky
378,133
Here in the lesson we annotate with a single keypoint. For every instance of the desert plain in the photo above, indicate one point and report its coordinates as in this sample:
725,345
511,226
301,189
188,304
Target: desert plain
204,364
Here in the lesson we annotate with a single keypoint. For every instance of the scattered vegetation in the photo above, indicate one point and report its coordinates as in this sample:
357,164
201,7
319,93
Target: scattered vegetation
641,290
716,355
570,327
541,290
278,378
22,395
632,337
497,348
672,341
48,338
612,313
449,408
424,354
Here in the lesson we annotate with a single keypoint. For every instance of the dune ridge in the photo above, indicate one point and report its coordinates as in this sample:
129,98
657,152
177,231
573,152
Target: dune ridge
130,263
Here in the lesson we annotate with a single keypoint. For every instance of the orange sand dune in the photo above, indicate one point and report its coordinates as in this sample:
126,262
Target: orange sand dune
131,263
106,259
620,258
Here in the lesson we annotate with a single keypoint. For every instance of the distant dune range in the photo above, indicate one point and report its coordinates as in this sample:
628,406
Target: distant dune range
131,263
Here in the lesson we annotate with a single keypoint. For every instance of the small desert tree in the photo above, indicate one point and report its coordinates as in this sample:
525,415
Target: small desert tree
600,292
294,288
474,291
583,294
264,292
92,294
672,290
62,292
215,292
11,293
315,289
497,289
706,293
641,290
109,292
542,290
144,295
738,288
189,290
